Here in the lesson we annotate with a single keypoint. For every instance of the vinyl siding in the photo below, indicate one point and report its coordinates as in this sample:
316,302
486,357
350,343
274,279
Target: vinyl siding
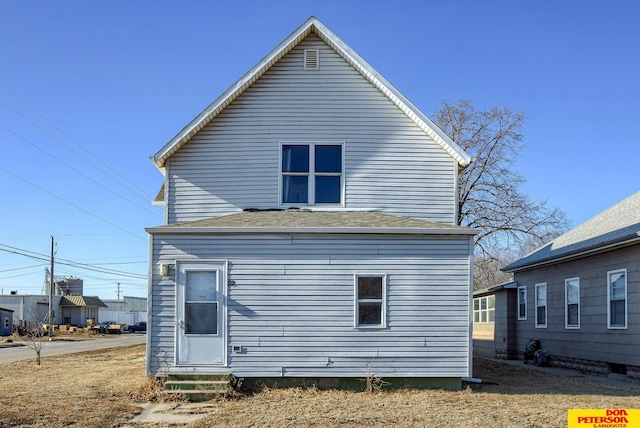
593,340
291,303
233,162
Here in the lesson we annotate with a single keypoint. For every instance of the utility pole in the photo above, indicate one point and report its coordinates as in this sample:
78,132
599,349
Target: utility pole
51,295
118,292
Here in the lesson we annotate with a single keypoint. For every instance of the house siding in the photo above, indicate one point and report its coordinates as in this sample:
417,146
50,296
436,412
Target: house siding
291,304
233,163
593,341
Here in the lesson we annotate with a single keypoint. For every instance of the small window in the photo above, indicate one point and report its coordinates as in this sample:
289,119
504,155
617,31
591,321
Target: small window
541,305
370,298
312,174
522,302
6,322
572,303
311,59
484,309
617,297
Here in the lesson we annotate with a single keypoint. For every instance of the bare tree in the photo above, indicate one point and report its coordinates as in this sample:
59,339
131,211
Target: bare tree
489,190
36,335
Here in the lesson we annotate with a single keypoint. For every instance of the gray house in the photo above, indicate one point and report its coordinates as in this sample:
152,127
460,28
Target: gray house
310,230
580,295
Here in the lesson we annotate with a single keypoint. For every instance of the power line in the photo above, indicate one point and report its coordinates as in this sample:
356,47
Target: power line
146,196
43,257
77,171
69,203
20,268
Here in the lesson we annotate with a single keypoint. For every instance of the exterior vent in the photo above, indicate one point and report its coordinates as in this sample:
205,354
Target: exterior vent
311,59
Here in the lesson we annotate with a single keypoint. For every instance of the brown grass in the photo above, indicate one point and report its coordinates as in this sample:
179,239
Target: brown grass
99,389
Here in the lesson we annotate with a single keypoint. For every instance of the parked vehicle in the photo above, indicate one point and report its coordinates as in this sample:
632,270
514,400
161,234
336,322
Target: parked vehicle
141,326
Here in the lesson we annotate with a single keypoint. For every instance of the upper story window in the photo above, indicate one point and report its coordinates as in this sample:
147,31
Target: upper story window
617,297
522,302
541,305
572,303
312,174
484,309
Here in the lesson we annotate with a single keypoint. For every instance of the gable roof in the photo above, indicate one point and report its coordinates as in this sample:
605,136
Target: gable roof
311,25
82,301
618,225
307,221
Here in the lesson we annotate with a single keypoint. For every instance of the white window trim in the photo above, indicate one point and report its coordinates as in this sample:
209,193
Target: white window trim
546,306
522,318
311,174
480,311
356,300
626,299
566,304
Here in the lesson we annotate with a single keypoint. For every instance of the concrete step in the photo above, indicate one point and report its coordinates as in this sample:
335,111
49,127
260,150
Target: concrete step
197,387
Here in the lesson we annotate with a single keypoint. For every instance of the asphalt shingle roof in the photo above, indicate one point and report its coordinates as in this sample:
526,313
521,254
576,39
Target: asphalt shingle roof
617,224
307,220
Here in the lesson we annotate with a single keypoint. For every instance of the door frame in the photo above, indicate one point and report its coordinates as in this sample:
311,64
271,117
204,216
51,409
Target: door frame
223,264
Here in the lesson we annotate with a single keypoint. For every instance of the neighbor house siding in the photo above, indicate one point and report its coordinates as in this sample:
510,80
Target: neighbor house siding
593,340
233,163
291,303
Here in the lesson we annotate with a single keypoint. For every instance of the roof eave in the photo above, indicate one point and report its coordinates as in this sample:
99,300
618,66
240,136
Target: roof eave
178,230
515,267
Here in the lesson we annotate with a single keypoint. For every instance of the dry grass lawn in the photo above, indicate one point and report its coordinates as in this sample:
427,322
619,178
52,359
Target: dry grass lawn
100,388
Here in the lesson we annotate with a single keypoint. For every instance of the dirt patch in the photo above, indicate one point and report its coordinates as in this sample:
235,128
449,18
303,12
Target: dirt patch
102,388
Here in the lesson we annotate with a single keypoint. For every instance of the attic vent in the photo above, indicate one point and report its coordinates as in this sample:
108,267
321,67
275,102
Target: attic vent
311,59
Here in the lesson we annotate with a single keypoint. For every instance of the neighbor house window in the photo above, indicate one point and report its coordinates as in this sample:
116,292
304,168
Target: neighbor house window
370,300
541,305
572,303
312,174
617,297
484,309
522,302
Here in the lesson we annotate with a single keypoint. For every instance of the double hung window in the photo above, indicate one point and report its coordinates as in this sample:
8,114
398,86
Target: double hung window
617,297
572,303
312,174
541,305
522,302
370,300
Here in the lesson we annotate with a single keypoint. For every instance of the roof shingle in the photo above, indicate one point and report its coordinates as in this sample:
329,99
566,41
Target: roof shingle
617,224
310,221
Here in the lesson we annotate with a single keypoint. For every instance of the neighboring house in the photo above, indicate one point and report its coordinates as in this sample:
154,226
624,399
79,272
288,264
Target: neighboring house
72,310
580,294
129,310
493,334
310,230
6,322
78,310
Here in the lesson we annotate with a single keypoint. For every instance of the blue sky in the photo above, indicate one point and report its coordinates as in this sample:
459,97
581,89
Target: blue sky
89,90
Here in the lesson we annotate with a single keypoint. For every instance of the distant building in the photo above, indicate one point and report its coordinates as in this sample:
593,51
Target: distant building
72,310
69,286
129,310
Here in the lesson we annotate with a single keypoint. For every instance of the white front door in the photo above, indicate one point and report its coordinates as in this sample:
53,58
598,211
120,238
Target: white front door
200,309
